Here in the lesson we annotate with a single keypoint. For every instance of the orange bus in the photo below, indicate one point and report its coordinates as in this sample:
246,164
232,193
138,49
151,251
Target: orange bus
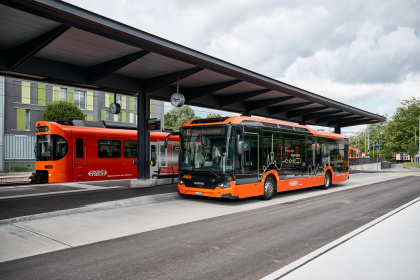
75,150
239,157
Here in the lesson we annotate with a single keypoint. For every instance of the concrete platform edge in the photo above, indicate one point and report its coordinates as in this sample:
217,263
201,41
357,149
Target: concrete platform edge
95,207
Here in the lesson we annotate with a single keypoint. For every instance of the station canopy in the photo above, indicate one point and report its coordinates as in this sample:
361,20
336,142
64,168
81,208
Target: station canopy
56,42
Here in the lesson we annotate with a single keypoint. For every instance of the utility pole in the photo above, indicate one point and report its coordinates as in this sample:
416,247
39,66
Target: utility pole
368,141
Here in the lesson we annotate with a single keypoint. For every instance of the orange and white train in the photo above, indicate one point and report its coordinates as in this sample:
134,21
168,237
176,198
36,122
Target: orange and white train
72,150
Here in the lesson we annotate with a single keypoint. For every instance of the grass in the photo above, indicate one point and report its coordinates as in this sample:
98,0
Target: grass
407,164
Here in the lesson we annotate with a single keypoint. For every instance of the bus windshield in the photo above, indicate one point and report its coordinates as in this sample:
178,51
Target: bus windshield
207,149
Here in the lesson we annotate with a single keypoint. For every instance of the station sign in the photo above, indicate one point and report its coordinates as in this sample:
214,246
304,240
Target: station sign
154,125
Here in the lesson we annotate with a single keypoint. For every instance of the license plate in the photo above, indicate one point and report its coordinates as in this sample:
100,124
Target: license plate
198,193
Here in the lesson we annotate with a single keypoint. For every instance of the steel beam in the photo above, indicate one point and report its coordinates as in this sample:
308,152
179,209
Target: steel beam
309,117
226,100
331,118
274,110
359,122
155,83
101,70
344,120
300,112
197,92
22,53
258,104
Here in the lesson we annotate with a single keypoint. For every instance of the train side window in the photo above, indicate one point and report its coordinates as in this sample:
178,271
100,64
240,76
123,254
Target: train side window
130,149
109,149
153,155
79,148
162,156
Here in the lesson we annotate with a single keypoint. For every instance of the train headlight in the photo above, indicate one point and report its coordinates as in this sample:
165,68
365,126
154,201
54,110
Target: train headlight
181,182
224,185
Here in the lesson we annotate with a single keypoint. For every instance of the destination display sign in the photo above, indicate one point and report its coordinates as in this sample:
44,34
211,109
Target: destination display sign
206,131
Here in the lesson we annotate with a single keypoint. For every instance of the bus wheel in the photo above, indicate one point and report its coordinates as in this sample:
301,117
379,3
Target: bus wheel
268,188
327,181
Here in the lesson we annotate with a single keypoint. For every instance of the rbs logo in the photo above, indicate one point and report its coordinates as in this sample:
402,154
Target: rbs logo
97,173
293,183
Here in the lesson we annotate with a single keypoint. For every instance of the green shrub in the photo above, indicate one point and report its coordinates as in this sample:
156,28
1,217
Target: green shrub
60,110
23,168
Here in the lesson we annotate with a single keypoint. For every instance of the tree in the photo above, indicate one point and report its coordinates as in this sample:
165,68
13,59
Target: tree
377,133
209,116
176,117
412,150
56,111
401,127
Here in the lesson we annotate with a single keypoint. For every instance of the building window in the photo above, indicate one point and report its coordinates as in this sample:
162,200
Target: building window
63,94
22,119
26,93
80,99
403,156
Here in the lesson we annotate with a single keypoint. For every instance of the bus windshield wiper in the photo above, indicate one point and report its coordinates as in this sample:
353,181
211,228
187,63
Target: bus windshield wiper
214,173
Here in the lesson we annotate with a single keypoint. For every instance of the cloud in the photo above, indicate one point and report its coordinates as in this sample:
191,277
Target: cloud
362,53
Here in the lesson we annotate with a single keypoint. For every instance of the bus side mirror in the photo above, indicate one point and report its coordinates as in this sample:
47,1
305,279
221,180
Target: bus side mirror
169,135
240,148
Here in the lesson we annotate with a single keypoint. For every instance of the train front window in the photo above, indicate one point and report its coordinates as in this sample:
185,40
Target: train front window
50,147
207,149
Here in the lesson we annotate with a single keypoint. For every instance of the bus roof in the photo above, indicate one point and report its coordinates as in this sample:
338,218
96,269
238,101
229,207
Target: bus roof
262,122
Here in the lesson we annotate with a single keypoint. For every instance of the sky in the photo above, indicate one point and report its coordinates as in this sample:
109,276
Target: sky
362,53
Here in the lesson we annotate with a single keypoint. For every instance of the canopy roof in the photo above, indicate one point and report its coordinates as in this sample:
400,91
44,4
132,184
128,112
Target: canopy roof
56,42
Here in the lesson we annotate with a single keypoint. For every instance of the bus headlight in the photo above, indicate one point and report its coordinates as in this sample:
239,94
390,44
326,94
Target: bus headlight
224,185
181,182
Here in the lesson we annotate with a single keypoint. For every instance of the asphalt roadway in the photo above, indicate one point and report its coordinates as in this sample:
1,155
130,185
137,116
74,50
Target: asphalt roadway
199,238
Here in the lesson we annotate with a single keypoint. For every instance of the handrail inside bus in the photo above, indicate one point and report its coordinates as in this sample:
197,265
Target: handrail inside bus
173,133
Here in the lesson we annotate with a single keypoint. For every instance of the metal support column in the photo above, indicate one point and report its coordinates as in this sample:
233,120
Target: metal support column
143,136
337,130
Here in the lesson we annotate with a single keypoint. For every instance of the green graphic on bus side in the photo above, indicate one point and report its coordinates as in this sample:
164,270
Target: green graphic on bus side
272,161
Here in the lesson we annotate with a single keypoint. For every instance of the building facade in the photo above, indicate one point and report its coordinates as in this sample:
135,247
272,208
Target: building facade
22,105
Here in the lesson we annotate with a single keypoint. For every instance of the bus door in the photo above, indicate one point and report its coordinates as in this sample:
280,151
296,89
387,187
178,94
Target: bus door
79,160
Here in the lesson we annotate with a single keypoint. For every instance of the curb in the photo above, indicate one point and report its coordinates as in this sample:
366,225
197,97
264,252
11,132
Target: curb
96,207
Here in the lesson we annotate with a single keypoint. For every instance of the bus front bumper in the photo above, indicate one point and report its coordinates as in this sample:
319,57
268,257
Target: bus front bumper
217,192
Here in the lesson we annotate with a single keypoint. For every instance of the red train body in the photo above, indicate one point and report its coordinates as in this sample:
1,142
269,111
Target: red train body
70,153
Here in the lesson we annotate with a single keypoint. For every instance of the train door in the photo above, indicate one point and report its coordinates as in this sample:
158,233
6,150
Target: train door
79,159
164,169
154,167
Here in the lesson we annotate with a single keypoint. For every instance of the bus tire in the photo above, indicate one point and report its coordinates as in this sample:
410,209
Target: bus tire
327,180
269,187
